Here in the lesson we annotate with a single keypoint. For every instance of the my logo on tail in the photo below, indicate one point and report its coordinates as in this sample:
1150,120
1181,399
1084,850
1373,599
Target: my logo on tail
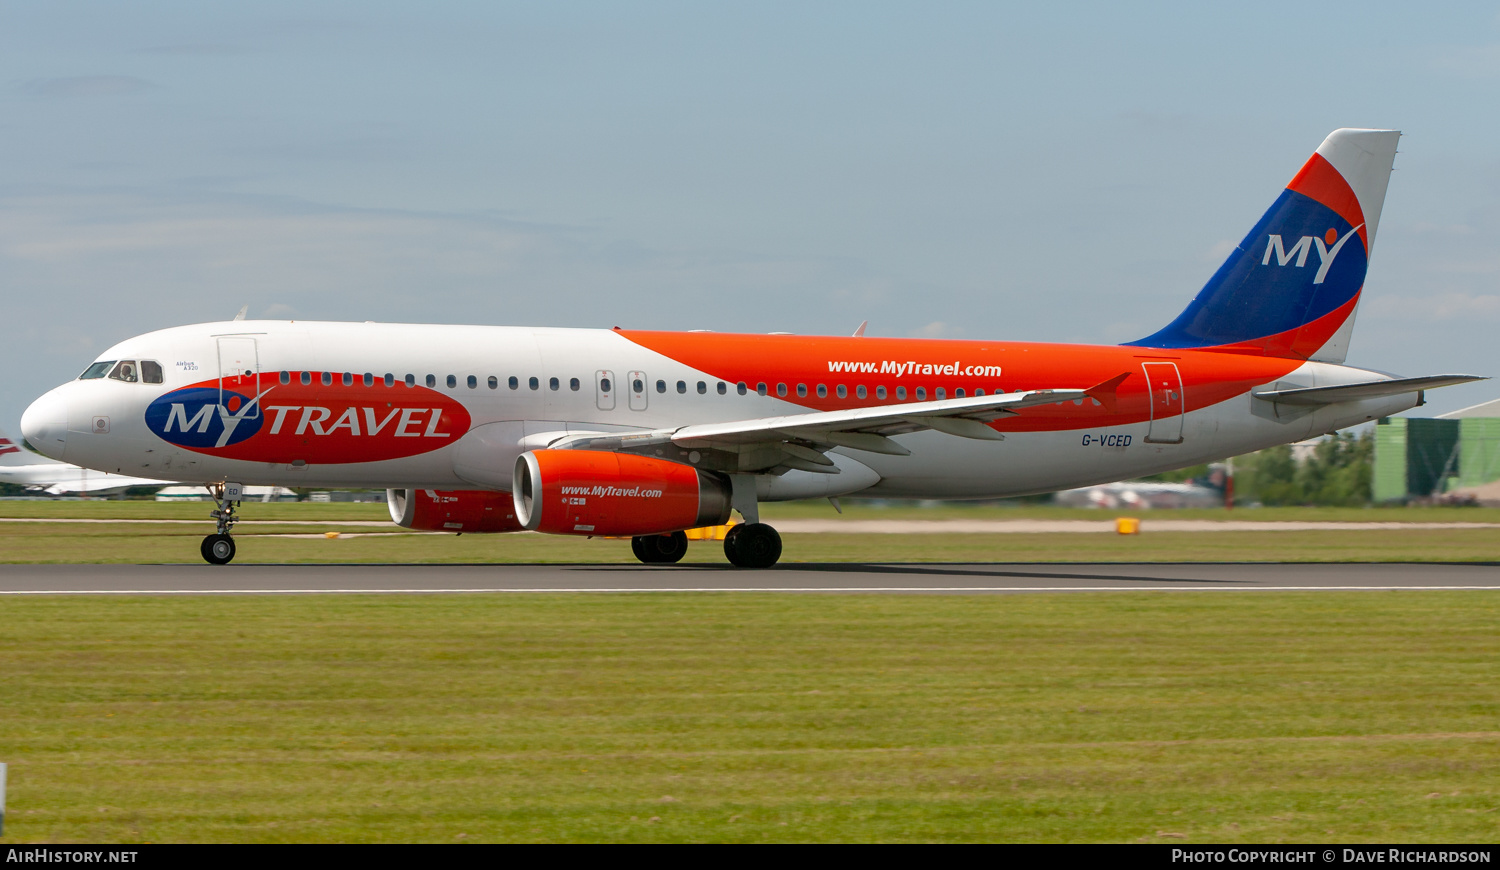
1327,250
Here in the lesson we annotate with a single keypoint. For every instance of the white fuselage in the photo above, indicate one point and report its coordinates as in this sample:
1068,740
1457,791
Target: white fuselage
560,380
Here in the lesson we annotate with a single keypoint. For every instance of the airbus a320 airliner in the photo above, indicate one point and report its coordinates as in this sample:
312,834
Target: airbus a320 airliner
645,434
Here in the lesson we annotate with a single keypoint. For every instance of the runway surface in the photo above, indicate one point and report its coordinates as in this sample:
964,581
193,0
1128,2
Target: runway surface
804,578
901,527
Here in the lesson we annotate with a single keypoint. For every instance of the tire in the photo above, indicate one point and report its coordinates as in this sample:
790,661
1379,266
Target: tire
756,546
667,549
217,549
729,542
638,547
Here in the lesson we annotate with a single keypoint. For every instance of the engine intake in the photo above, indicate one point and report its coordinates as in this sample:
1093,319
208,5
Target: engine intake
452,510
586,492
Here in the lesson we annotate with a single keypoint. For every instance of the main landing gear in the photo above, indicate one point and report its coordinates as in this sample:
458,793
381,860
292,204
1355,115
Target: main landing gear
218,548
752,545
660,549
748,545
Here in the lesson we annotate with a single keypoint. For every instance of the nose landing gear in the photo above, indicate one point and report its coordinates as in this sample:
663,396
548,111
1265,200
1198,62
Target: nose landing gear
218,548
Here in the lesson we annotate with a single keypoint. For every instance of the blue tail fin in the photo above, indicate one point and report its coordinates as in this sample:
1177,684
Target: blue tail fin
1292,286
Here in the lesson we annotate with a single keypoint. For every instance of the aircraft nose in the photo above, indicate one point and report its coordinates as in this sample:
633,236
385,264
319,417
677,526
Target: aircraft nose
45,425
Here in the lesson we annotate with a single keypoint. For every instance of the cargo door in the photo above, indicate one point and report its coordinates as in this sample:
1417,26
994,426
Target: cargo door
1166,402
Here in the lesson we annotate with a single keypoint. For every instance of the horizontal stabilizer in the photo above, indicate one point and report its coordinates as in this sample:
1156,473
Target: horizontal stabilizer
1367,390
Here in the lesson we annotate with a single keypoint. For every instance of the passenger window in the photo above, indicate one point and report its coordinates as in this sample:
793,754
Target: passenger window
328,379
97,370
979,392
390,379
682,386
473,382
286,377
802,390
410,380
494,382
958,393
638,386
723,388
860,391
822,391
573,385
741,388
901,393
604,385
552,384
702,388
348,379
843,391
942,393
431,380
534,383
880,392
760,388
150,371
452,382
661,386
369,379
306,378
125,370
921,394
781,389
513,383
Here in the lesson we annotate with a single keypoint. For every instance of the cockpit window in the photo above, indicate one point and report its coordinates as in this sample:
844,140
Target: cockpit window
125,370
97,370
150,371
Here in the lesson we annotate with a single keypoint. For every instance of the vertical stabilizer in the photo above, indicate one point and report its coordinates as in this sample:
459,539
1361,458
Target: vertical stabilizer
1290,289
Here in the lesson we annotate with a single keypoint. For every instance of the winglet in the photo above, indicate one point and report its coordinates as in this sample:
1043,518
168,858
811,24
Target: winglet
1104,392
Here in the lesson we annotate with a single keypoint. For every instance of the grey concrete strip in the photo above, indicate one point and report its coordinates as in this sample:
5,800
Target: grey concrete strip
861,578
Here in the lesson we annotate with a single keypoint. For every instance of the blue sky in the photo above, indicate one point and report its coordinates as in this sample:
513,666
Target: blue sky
1061,172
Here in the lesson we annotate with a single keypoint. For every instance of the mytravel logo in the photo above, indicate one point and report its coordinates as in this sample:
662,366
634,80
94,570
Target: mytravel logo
1328,247
199,417
307,423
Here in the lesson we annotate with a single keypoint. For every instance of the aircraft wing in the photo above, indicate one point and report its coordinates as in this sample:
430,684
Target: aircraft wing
1366,390
799,440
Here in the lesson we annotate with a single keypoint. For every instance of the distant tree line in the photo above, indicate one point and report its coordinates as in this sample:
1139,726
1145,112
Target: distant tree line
1338,473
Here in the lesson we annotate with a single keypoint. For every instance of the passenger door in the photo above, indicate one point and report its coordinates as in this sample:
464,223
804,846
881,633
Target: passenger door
1165,382
239,375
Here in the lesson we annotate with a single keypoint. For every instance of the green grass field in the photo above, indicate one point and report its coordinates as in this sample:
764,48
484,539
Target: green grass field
262,541
1235,717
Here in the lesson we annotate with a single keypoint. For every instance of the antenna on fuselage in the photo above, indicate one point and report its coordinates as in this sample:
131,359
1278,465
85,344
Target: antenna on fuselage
860,332
244,309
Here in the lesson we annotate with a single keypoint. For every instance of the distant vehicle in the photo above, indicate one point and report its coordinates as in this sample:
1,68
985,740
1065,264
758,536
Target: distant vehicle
21,467
1203,492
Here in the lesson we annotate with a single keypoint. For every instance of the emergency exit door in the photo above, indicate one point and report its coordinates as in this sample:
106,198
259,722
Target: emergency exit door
1166,402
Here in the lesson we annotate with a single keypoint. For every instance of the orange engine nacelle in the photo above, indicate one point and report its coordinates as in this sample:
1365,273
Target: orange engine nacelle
452,510
584,492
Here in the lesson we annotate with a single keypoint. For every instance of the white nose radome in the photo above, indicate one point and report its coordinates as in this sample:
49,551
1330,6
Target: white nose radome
45,424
